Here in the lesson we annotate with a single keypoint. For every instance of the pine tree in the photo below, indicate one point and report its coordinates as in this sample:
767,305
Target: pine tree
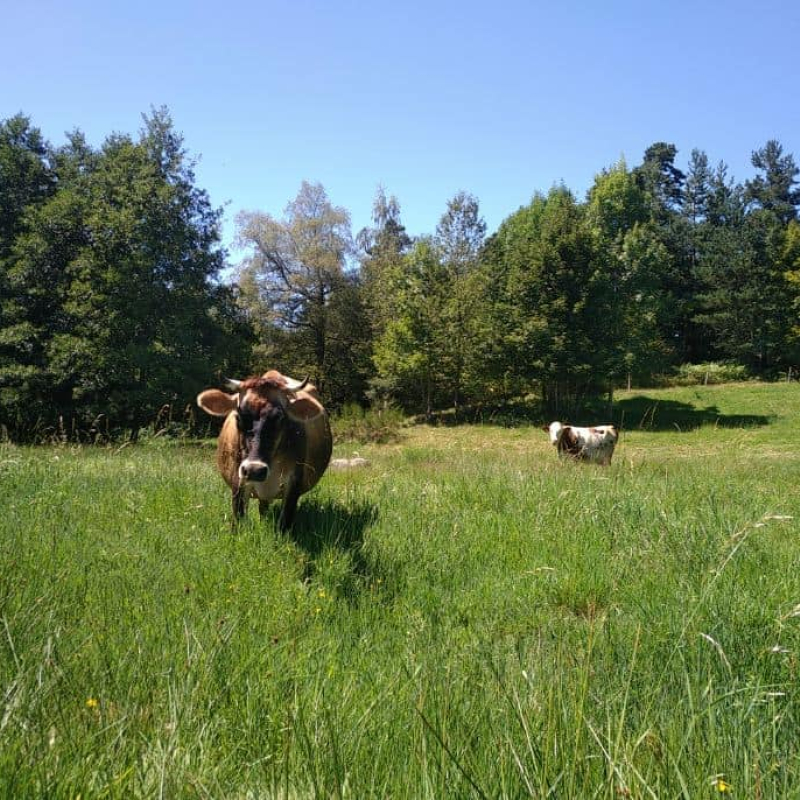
774,190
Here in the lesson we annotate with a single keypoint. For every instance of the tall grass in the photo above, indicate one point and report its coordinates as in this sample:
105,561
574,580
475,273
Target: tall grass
466,617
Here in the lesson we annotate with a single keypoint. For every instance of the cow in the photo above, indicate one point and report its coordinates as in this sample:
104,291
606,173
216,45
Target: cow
275,442
595,444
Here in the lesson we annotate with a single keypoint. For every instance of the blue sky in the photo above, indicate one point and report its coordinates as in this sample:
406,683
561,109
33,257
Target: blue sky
426,98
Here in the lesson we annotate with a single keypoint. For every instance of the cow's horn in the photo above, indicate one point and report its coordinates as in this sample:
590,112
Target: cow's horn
232,384
295,386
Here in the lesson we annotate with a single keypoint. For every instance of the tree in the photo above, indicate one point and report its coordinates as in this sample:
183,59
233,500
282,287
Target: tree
664,184
626,281
144,291
506,274
38,392
114,307
26,181
725,202
660,178
26,177
791,264
458,239
409,353
294,268
686,285
743,302
697,188
382,248
774,190
549,308
349,350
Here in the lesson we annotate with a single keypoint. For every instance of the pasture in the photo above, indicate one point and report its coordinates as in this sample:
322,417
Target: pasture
466,617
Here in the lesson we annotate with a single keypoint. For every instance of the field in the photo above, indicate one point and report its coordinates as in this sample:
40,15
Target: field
465,617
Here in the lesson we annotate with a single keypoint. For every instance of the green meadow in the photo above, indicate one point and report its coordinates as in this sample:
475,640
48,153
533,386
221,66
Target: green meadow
464,617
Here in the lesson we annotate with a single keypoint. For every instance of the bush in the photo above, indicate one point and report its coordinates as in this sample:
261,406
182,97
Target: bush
352,423
711,372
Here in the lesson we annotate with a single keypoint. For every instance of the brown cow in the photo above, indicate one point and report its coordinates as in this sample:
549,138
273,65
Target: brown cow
275,442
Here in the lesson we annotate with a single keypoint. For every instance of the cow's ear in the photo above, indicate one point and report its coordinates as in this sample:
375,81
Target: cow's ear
304,409
217,403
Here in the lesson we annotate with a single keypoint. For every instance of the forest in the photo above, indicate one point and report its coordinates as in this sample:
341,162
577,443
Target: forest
118,302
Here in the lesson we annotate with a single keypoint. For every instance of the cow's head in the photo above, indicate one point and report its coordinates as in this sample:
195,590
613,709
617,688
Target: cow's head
556,431
262,406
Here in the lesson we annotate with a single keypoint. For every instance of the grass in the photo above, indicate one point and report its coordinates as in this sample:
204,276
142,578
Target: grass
466,617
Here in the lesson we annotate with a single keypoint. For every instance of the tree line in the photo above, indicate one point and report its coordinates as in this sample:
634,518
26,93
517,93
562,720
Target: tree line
112,306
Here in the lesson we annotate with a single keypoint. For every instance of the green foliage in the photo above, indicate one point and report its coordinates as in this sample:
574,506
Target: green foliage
378,425
111,307
546,299
628,281
408,354
661,180
709,374
423,354
744,302
26,177
382,249
307,309
559,310
774,189
791,263
458,240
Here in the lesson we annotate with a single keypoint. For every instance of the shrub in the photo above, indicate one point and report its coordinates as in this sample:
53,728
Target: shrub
352,423
711,372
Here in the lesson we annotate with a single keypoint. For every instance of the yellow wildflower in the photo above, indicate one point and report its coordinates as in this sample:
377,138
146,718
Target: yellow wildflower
92,702
721,785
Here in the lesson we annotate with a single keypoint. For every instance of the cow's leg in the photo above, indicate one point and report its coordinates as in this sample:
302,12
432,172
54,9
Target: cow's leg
289,505
263,508
238,504
288,508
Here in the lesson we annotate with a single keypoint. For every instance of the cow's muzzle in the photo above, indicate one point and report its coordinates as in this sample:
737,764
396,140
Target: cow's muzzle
253,471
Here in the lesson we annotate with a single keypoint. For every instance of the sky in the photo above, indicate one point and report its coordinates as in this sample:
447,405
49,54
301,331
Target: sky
424,98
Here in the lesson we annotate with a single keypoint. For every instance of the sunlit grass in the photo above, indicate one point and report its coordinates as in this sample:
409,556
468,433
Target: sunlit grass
466,616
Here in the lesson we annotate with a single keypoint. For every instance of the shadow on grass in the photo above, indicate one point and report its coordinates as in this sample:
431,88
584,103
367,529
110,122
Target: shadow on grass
649,414
510,414
321,526
634,413
318,525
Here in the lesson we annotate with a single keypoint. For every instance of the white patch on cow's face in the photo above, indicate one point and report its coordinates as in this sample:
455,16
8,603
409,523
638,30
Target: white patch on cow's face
556,429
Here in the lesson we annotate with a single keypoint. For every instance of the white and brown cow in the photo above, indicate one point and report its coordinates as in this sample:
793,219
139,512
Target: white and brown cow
275,442
595,444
